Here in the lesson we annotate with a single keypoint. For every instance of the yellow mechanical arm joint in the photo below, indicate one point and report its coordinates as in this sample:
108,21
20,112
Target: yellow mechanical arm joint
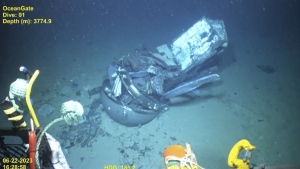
233,160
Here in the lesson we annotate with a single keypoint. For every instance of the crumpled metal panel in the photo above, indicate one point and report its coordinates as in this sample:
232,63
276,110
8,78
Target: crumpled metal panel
199,42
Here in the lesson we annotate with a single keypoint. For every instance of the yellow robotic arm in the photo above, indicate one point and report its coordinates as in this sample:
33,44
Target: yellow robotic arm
233,160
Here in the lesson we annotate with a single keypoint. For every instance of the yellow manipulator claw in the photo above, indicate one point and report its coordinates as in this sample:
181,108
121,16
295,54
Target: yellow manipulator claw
233,160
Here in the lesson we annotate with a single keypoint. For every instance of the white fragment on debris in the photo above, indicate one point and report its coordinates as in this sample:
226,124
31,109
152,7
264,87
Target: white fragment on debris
46,110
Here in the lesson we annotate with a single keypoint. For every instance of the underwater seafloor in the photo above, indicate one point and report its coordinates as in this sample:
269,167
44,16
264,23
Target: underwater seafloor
257,99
